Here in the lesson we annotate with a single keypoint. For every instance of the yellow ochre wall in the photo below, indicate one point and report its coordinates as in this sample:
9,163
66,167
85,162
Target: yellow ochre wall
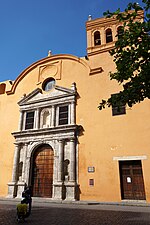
104,136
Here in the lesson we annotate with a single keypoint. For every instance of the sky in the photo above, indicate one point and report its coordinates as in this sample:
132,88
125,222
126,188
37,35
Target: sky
30,28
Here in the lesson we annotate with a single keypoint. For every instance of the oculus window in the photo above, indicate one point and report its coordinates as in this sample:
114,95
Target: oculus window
48,84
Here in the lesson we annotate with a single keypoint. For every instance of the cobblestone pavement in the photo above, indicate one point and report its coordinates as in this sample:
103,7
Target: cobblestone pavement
54,214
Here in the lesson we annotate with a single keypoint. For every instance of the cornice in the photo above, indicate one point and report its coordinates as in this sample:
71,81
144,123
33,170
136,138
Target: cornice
99,51
33,133
102,22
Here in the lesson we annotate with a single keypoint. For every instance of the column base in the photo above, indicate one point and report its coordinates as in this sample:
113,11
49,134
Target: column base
58,191
12,190
20,188
71,189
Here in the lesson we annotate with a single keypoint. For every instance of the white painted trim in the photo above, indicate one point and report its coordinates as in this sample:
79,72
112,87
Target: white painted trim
125,158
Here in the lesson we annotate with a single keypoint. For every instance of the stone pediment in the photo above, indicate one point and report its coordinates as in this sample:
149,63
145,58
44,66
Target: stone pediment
39,96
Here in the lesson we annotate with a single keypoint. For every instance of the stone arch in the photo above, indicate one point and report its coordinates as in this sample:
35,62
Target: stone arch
120,31
97,38
35,145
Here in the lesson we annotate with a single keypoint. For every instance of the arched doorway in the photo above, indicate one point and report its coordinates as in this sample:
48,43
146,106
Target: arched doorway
42,171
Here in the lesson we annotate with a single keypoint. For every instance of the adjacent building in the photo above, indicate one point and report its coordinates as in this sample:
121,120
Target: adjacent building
54,138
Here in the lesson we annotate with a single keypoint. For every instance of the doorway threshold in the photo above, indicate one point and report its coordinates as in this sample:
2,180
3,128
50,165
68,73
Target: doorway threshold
133,202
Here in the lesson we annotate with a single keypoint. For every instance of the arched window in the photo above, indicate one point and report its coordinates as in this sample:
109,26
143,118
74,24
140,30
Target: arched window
120,31
109,35
97,38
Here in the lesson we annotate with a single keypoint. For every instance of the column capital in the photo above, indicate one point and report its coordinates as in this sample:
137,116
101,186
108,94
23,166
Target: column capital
17,144
26,143
61,140
72,139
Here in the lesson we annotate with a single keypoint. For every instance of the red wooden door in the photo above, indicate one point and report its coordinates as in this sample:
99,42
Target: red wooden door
42,176
131,179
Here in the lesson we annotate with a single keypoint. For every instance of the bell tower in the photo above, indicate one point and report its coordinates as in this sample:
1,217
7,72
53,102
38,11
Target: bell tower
101,34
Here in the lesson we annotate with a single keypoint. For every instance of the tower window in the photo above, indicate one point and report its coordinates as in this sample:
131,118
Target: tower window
109,35
97,38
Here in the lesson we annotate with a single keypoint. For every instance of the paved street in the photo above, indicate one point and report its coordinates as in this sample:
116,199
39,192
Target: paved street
74,214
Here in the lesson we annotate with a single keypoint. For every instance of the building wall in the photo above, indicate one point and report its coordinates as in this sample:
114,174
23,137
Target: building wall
105,139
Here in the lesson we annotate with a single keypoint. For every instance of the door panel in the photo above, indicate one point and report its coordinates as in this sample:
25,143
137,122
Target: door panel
131,179
42,176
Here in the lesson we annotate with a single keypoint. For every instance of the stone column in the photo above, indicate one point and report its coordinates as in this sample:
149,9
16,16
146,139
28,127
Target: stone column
37,118
58,192
27,171
71,184
72,160
72,112
21,184
16,162
12,186
24,162
60,160
53,117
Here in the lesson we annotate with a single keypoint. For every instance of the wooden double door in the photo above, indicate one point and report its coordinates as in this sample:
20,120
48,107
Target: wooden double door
42,172
131,180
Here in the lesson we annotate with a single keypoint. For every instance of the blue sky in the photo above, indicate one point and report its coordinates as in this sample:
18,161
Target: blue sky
28,29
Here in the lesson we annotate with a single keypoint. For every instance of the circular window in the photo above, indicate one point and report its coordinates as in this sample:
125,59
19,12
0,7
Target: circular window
48,84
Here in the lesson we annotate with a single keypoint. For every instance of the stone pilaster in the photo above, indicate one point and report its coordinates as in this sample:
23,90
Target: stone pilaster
53,116
37,118
20,127
72,112
103,36
60,160
72,160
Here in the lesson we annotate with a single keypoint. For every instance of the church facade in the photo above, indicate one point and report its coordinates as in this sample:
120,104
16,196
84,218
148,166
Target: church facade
54,138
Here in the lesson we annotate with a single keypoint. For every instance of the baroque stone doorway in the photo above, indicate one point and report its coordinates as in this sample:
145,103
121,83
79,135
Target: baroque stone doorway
42,171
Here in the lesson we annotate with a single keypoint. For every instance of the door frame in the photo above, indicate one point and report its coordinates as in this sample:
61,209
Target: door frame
130,177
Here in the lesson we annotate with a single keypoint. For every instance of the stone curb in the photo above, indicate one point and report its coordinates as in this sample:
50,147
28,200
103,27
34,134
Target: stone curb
47,200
